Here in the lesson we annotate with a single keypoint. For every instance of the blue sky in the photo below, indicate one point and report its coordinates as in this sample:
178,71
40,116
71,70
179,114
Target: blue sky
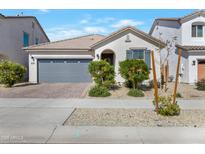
61,24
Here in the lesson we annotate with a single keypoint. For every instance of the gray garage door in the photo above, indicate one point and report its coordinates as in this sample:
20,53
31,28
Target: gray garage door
63,70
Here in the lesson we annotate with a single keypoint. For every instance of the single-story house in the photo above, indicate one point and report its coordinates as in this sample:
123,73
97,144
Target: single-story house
67,60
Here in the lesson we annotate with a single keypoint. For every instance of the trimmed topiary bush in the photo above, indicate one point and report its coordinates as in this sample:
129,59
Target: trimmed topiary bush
134,71
11,73
200,84
102,72
166,107
99,91
135,93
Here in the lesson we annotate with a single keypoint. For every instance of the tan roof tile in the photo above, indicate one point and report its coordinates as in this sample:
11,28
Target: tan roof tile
82,42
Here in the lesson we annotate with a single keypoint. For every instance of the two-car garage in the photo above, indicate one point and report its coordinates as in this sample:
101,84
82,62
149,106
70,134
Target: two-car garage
63,70
62,61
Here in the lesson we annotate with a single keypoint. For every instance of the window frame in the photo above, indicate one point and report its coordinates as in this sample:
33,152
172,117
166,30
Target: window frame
24,39
196,35
144,56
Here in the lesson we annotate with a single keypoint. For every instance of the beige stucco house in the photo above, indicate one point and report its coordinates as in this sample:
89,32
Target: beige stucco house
67,60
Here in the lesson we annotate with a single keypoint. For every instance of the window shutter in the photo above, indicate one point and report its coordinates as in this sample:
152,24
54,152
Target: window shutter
129,54
148,58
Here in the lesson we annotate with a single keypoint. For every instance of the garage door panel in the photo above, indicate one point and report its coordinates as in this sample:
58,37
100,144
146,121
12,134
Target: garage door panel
63,70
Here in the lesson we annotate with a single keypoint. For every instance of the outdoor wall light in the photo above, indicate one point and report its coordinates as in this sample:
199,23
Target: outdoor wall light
32,60
193,62
98,56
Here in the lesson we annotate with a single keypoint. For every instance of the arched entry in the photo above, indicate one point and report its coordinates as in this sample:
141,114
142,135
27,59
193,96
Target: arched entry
109,56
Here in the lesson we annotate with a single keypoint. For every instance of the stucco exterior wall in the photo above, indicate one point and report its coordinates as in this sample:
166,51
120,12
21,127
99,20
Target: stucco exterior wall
119,46
166,31
187,38
11,40
184,68
193,69
35,55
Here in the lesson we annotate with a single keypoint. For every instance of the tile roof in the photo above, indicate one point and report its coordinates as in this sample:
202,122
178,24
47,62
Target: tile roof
82,42
191,48
180,19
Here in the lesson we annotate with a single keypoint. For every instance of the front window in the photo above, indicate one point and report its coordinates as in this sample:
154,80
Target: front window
142,54
25,39
197,30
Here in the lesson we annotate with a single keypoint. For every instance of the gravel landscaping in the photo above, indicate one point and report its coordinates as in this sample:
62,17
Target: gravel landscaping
135,118
187,91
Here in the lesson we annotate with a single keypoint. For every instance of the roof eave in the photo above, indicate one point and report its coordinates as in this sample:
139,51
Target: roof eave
55,49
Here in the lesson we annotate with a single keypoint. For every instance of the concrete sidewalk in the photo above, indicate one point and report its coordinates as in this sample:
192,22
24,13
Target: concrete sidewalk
92,103
40,121
85,134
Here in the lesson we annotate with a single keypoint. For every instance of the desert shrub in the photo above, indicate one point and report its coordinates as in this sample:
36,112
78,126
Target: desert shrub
134,71
11,73
200,85
179,95
135,93
102,73
99,91
167,107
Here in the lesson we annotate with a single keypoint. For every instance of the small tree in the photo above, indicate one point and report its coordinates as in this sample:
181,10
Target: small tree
135,71
102,73
11,73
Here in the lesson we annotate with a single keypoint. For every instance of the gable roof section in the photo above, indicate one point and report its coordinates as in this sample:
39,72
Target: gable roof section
77,43
141,34
180,20
31,17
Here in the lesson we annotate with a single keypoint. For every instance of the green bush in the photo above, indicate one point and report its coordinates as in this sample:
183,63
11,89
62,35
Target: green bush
102,73
99,91
135,93
11,73
166,106
200,84
134,71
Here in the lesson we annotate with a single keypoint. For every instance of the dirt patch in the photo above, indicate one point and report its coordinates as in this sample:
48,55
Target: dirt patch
135,118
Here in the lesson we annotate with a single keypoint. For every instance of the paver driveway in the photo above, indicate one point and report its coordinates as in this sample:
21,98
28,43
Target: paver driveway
45,90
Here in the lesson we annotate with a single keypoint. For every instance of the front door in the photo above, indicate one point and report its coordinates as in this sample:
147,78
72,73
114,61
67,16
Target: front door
201,70
108,57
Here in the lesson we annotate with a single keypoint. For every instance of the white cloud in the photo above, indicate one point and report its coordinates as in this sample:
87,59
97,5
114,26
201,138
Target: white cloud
84,21
126,22
68,31
63,32
95,30
42,11
104,20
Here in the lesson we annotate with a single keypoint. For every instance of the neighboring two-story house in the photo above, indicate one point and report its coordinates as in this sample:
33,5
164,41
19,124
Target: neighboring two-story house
17,32
188,34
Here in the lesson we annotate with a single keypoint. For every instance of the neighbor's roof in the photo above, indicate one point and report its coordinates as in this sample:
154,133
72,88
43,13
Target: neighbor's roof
22,17
140,33
77,43
190,48
179,20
